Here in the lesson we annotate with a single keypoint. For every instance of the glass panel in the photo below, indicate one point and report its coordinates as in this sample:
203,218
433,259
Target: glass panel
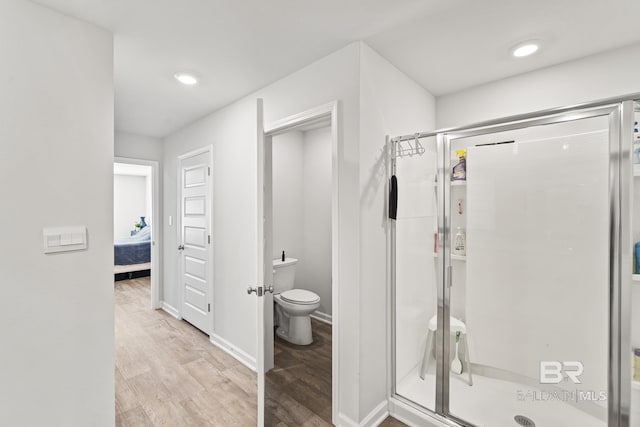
635,287
530,276
416,274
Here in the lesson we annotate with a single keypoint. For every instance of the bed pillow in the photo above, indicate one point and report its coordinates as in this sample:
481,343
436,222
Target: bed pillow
143,235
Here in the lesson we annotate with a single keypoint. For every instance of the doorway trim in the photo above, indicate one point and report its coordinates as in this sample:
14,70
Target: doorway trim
156,228
326,112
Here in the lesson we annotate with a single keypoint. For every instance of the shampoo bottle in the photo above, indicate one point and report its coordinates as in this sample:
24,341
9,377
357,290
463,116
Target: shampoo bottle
460,242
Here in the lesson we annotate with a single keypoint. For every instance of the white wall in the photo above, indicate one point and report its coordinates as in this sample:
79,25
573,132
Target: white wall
129,203
390,103
302,207
56,168
138,146
315,268
288,221
605,75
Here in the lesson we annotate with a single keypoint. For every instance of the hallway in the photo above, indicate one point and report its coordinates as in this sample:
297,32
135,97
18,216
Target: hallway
168,373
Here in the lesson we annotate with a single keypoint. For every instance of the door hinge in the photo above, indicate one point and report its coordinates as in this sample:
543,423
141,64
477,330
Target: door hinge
209,239
209,170
209,307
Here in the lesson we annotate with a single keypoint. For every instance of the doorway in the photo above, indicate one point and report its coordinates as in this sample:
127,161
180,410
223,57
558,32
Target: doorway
136,219
281,392
301,219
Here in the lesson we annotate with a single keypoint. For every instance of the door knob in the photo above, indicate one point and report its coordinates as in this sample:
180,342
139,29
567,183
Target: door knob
181,247
258,290
269,289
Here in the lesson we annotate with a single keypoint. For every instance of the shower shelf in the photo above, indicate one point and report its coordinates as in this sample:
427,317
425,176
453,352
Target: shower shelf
454,257
455,183
635,277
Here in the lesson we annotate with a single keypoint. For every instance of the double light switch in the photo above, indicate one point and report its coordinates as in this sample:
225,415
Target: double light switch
64,239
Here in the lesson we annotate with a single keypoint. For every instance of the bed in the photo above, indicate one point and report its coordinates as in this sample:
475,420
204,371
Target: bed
133,253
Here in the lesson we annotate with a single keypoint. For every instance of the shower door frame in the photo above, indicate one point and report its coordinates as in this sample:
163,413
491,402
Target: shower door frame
620,113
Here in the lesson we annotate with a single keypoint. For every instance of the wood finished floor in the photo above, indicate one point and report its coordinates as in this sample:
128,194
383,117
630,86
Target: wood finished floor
299,385
169,374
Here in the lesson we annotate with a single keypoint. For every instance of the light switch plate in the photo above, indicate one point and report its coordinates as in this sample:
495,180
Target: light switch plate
64,239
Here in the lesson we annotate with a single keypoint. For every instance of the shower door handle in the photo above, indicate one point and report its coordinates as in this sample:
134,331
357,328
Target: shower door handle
449,278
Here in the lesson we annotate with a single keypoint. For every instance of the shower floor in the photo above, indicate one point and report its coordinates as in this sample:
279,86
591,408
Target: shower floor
494,403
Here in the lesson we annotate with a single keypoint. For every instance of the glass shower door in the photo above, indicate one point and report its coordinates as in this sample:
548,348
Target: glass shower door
527,291
416,273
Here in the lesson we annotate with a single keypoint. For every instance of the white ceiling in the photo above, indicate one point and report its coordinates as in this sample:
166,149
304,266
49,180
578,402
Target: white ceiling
239,46
463,43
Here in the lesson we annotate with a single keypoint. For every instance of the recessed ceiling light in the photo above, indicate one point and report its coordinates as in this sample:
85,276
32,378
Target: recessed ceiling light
186,78
525,49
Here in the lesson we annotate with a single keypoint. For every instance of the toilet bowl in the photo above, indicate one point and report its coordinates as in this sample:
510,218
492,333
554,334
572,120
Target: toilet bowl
292,306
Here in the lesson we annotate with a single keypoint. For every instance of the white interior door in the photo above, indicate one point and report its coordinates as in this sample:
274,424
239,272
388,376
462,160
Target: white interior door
263,289
196,266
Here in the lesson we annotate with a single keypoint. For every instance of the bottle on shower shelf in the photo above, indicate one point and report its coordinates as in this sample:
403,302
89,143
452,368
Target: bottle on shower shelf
460,169
460,243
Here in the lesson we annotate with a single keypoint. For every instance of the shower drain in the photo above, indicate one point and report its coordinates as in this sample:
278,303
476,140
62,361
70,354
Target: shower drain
524,421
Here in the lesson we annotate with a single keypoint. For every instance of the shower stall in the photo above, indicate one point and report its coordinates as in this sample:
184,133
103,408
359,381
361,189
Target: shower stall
512,272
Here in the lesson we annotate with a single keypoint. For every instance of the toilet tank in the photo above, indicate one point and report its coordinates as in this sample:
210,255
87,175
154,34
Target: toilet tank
284,274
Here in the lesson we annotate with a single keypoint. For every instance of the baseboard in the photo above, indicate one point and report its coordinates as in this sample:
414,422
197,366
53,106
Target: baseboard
238,354
373,419
411,416
322,317
377,416
170,309
344,421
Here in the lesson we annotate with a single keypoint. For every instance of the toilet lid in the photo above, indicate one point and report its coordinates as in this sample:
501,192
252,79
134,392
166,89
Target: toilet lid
300,296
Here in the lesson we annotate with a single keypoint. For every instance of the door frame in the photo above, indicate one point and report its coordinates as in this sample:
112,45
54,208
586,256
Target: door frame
156,227
210,270
327,112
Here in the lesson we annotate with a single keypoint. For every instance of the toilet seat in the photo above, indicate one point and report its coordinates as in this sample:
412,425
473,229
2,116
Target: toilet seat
300,296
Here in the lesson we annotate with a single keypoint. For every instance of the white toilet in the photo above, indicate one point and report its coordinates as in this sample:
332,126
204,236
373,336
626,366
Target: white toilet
293,306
